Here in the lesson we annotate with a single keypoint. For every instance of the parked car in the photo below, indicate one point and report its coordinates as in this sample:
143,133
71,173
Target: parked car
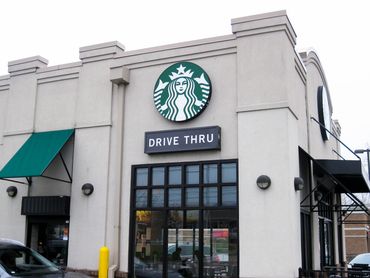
17,260
361,260
359,266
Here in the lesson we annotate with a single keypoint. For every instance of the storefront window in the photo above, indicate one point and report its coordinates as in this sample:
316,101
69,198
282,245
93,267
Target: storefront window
210,173
186,220
141,198
326,229
210,196
306,240
149,230
141,176
174,197
229,172
174,175
192,197
229,195
157,198
183,243
220,243
192,174
158,176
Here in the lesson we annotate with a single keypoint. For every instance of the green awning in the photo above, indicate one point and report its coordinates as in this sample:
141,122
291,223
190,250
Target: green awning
36,154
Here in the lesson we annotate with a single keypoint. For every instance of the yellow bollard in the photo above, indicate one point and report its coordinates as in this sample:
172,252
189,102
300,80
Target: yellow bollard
103,262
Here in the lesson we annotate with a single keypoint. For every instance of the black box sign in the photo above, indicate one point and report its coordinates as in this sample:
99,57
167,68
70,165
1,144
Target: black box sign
183,140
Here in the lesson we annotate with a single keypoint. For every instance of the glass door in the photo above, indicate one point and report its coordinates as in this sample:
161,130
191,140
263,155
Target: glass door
149,242
50,238
220,243
183,243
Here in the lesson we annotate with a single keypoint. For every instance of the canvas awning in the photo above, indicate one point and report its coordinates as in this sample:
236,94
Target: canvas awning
339,176
35,156
350,173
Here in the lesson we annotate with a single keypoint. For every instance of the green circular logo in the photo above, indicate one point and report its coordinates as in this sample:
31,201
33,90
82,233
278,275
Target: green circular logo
182,92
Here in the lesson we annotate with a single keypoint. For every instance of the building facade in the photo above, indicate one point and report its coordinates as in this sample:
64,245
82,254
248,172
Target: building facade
209,158
356,233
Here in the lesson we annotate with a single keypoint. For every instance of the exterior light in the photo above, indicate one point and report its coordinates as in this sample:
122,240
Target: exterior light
87,189
263,182
12,191
298,183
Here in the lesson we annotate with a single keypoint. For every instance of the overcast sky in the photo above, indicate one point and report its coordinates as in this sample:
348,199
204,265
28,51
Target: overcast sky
337,30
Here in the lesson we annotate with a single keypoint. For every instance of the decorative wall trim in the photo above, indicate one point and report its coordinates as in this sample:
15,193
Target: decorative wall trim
18,132
59,73
264,23
266,106
177,52
92,125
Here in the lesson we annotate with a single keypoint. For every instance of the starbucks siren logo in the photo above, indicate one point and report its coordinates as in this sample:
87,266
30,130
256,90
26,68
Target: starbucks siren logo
182,92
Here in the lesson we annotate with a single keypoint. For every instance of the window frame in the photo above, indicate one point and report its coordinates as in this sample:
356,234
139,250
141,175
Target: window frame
183,186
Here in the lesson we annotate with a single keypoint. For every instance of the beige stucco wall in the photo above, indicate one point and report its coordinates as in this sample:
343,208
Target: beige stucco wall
317,147
4,91
140,116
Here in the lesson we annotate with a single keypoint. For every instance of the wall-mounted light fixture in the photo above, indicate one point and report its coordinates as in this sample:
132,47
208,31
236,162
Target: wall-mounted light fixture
263,182
87,189
298,183
12,191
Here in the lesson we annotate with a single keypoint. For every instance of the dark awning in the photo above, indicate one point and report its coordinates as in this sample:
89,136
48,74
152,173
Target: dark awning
349,172
36,154
342,176
339,176
46,206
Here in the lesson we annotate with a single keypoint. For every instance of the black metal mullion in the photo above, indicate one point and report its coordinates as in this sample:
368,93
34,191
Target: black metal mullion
166,175
237,212
183,189
132,230
165,244
201,243
149,187
219,172
201,223
201,185
219,187
201,194
165,232
211,239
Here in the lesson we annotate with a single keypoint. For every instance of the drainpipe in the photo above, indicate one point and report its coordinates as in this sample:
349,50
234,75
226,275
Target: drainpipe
119,78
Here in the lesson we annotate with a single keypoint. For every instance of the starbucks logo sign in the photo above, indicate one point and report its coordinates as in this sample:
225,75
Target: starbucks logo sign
182,92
